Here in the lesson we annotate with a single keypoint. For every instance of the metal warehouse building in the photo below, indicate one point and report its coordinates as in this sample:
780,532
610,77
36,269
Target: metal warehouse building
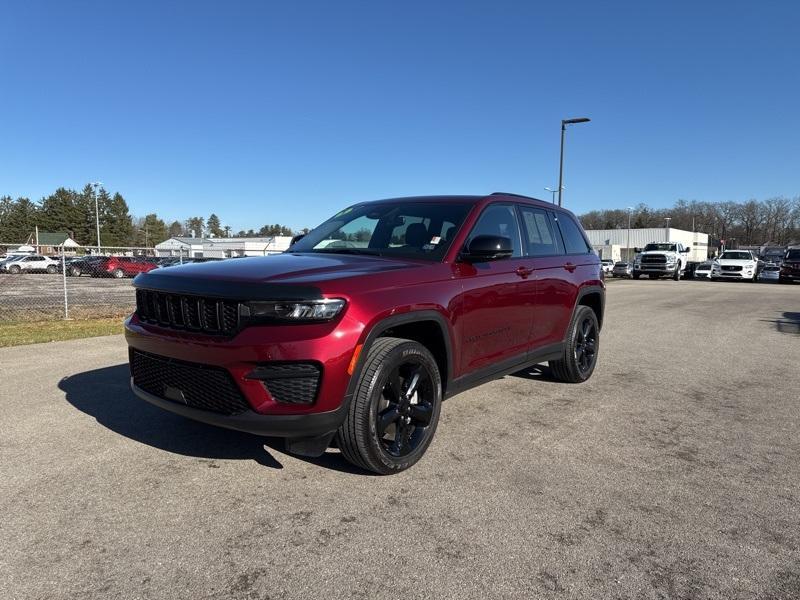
613,243
223,247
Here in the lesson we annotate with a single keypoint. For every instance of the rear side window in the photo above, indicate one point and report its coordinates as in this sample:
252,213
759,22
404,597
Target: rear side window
540,239
574,241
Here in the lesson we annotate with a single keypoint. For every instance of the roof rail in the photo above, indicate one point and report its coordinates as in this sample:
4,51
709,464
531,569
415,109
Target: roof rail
512,194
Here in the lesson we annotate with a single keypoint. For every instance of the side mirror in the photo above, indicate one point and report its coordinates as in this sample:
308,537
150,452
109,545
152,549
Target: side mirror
685,249
487,247
637,250
296,239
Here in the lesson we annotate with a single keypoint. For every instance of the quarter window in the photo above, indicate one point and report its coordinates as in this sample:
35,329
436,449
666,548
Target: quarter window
574,241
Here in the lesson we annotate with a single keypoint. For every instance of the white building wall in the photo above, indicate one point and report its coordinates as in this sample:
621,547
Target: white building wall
698,242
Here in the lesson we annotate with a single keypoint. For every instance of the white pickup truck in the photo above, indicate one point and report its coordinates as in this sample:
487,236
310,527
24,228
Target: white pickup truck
661,258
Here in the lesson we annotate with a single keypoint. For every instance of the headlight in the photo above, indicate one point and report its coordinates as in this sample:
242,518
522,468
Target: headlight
282,310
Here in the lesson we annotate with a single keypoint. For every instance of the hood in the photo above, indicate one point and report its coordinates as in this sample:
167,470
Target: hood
281,276
735,261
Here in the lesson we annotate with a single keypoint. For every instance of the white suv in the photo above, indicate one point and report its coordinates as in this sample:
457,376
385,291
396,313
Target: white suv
31,264
735,264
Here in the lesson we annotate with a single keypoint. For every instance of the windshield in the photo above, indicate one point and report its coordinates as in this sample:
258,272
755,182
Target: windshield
621,264
704,267
660,247
772,268
793,255
736,256
408,229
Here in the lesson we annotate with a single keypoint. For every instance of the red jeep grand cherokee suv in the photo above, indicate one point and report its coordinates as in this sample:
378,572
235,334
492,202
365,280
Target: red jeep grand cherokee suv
368,322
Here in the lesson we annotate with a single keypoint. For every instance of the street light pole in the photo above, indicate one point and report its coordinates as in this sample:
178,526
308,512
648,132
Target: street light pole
628,246
553,193
564,123
97,184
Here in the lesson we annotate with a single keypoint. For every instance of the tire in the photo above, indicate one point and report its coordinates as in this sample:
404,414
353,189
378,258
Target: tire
389,369
51,269
14,269
677,274
578,364
636,275
117,274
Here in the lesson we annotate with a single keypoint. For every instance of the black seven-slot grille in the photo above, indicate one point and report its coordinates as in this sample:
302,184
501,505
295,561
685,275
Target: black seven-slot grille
291,382
192,384
192,313
654,259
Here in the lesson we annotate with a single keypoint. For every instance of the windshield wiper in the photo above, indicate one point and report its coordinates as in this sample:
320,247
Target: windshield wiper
364,251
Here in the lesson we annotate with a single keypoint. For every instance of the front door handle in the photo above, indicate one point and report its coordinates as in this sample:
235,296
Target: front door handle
570,267
524,272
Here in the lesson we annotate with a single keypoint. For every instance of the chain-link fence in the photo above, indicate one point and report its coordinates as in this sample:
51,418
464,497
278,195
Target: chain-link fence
45,283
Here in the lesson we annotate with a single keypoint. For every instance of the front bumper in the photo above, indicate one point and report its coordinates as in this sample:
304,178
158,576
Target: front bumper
330,345
655,268
290,426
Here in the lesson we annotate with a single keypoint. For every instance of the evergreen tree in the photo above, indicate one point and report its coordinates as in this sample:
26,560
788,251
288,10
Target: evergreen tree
116,225
195,224
214,226
175,229
63,211
150,231
20,221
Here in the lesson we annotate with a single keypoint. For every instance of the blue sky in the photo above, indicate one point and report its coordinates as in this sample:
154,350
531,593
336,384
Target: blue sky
285,112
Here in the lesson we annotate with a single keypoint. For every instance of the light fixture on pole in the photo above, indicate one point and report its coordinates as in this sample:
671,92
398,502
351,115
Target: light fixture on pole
553,192
96,185
564,123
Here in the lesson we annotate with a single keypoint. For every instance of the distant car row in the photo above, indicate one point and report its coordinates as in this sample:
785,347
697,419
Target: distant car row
92,265
740,265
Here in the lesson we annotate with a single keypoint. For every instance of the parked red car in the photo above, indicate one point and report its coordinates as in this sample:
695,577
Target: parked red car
368,322
121,266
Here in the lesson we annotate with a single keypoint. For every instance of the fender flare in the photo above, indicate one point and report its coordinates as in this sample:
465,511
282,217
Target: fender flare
410,317
585,291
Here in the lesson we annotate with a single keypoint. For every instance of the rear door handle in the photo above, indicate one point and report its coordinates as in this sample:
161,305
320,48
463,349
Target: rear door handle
524,272
570,267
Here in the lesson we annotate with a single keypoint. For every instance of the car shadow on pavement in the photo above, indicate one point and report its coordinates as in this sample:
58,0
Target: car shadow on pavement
789,323
537,373
105,395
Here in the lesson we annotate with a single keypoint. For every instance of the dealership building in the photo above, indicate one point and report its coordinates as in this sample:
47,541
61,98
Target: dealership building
223,247
620,244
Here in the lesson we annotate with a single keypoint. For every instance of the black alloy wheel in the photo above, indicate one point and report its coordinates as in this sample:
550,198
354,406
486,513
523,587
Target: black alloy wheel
586,344
405,408
583,346
395,408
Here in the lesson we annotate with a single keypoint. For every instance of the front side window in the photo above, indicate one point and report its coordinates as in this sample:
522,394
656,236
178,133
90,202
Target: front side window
574,241
498,220
409,229
539,236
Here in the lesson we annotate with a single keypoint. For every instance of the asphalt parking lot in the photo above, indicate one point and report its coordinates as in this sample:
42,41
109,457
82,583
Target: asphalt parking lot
672,473
33,296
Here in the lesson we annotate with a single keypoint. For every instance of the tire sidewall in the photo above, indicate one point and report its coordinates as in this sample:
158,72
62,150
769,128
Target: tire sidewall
582,313
373,390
